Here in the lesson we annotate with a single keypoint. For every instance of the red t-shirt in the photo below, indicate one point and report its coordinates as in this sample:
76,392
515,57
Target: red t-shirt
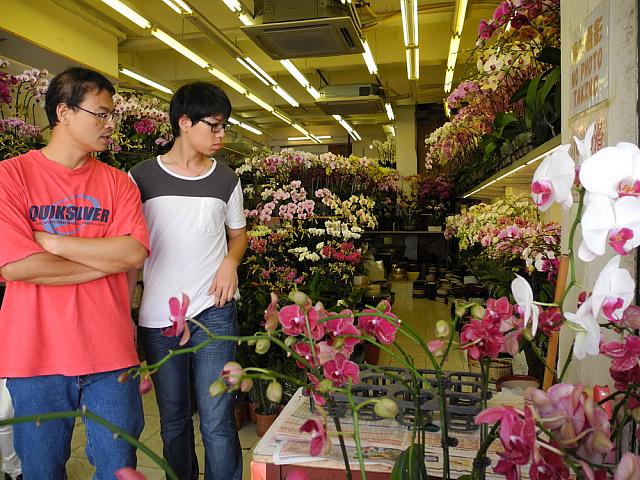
71,329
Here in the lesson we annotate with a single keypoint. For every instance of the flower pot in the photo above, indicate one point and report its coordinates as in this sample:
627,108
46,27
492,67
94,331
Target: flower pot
240,414
252,412
263,422
371,353
497,368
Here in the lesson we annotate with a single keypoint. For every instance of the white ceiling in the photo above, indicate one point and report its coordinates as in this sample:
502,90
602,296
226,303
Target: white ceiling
382,26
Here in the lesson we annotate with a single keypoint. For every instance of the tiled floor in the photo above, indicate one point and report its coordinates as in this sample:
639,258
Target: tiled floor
419,314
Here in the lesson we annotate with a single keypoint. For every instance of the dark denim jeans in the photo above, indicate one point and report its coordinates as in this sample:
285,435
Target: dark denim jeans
175,384
44,449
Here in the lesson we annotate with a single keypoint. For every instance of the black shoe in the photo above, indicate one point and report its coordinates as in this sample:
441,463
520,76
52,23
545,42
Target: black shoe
8,477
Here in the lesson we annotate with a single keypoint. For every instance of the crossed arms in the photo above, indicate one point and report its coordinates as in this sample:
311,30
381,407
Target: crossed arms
72,260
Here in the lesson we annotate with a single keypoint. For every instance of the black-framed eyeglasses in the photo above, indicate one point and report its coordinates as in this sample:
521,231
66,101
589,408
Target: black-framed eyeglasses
102,116
217,127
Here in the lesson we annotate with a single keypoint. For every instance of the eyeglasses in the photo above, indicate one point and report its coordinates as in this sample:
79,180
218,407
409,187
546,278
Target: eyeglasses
217,127
102,116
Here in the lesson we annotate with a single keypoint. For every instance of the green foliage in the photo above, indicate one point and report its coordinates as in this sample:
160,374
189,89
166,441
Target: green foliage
410,464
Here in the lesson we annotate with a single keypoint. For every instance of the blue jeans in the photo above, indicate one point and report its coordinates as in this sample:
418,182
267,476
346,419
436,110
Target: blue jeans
45,449
189,376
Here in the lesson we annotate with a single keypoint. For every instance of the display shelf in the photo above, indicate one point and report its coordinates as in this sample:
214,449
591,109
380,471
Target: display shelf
517,175
401,232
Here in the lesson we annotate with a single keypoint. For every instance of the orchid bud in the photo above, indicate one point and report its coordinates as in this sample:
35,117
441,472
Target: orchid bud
274,392
325,386
338,342
461,309
263,345
442,329
145,385
386,408
289,341
298,297
251,342
217,388
123,377
232,371
635,414
478,311
246,385
527,334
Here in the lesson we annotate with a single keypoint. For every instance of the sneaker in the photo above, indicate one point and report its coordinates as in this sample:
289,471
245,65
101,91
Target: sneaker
8,477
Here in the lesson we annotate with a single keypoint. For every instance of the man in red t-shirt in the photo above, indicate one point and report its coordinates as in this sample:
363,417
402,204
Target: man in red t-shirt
70,229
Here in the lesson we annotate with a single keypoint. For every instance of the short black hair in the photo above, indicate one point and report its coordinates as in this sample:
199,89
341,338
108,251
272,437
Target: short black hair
197,101
71,87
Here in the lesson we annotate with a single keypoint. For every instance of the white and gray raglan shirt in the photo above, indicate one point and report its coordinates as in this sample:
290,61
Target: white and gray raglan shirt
186,217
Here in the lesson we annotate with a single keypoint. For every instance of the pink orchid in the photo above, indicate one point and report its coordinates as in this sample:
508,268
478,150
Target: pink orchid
512,329
437,347
625,354
485,30
380,327
304,350
271,314
550,320
128,473
547,465
343,326
326,352
292,319
178,313
631,317
145,385
340,371
319,439
318,398
628,468
482,338
232,373
499,309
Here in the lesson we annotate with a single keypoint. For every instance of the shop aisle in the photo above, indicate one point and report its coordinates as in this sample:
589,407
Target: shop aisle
419,314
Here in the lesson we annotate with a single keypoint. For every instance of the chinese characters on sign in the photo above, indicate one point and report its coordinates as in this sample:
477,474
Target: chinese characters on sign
590,61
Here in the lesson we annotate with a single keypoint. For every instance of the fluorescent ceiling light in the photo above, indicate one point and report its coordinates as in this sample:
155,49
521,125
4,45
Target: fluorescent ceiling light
390,114
145,80
355,135
458,19
313,92
454,46
228,80
233,120
127,12
282,117
319,137
368,58
393,130
178,47
179,7
259,101
172,6
234,5
184,6
297,74
252,70
289,99
260,70
300,129
314,138
250,128
414,4
246,19
448,80
413,63
405,26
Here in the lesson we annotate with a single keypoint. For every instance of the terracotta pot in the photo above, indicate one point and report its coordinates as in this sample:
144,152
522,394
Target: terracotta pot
240,414
371,353
252,412
263,422
497,369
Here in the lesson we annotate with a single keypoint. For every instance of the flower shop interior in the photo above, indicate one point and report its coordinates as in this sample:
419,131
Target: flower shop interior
445,179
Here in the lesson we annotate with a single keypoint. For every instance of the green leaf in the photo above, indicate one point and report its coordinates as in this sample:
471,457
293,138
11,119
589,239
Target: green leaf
550,82
550,55
410,464
532,93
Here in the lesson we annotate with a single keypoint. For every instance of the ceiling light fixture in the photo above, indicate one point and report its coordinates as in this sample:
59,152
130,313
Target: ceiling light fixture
302,130
299,76
178,6
368,58
172,6
233,120
454,45
282,117
140,78
233,5
259,101
250,128
179,47
313,92
319,137
127,12
389,110
409,14
259,69
252,70
246,19
314,138
228,80
393,130
288,98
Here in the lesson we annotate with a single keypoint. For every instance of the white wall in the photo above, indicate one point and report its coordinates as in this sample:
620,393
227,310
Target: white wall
406,155
621,124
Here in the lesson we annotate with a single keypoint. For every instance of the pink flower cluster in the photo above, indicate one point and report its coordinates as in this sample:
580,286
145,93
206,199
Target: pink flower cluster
346,252
299,206
146,126
517,13
19,127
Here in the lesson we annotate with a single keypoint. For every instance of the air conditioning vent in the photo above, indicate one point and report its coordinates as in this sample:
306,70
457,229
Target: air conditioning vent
319,37
354,99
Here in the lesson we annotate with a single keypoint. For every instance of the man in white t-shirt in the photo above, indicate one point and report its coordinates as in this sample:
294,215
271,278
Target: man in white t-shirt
194,211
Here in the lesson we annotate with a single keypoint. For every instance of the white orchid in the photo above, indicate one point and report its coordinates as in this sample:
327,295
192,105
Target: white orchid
584,145
611,171
523,295
613,291
587,341
553,180
607,221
